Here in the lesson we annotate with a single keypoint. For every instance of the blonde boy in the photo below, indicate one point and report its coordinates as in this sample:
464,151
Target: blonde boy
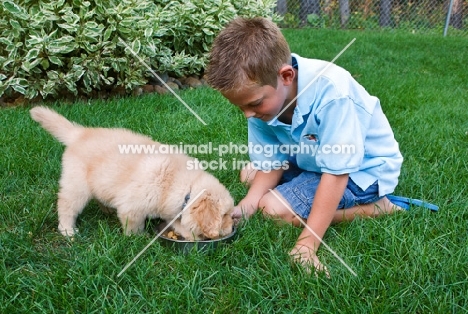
353,162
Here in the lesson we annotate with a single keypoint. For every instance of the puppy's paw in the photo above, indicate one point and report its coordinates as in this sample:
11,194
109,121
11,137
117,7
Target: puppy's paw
134,231
68,232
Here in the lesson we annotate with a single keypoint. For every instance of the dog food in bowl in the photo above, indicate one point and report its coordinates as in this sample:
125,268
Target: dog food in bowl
172,235
171,239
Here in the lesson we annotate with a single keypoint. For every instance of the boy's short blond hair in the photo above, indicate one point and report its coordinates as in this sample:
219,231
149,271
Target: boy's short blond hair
246,53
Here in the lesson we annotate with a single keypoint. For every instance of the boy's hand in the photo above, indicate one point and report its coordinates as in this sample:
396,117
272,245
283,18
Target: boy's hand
307,258
240,212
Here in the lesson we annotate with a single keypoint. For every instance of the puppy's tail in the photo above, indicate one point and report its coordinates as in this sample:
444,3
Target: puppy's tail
62,129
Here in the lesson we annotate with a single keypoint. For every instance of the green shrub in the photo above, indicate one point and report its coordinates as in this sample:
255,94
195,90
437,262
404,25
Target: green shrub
50,47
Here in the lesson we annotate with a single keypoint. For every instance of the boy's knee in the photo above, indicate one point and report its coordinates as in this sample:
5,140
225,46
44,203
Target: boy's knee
271,206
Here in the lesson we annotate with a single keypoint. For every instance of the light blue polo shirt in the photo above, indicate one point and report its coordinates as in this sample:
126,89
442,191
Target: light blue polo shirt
337,128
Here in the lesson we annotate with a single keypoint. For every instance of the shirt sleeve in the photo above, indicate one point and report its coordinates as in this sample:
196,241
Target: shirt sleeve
341,135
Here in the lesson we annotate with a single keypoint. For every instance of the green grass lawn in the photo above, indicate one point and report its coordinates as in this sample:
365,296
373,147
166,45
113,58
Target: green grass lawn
412,262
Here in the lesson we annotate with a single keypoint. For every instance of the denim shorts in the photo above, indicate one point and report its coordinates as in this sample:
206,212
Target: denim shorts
298,187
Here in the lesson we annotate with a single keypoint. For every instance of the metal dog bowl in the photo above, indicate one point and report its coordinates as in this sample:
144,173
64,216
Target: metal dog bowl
186,246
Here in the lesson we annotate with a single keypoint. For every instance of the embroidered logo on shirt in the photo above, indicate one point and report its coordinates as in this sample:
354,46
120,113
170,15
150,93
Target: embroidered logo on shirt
311,137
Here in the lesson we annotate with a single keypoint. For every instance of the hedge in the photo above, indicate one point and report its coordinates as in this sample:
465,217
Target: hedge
48,48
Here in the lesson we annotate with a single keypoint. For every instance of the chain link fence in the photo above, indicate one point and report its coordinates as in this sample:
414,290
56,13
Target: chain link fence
447,17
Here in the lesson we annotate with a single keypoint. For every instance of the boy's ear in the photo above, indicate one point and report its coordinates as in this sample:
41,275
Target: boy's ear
287,74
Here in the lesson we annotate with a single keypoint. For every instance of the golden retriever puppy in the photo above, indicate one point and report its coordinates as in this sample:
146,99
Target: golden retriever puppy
137,186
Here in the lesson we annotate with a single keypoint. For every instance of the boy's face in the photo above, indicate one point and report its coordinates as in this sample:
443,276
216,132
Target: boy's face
265,102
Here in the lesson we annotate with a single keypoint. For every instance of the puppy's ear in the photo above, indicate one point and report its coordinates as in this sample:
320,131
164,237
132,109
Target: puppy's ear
207,216
226,224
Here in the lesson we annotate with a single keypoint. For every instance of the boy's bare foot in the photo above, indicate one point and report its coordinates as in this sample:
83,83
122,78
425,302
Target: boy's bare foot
382,206
385,206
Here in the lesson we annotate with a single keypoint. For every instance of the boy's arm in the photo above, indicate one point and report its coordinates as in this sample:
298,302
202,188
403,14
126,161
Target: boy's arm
261,184
327,198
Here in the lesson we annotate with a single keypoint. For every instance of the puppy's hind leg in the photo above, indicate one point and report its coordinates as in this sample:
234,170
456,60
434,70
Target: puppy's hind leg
72,198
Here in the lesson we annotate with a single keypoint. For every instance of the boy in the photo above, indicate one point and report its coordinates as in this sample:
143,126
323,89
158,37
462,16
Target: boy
329,155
